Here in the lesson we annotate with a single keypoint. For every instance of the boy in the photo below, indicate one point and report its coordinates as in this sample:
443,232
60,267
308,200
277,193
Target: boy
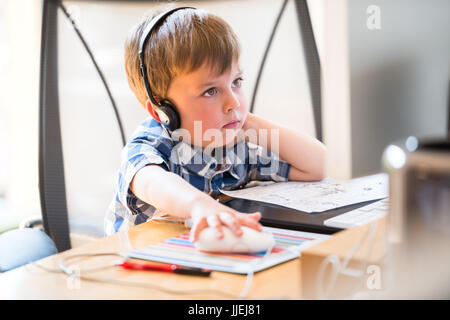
192,60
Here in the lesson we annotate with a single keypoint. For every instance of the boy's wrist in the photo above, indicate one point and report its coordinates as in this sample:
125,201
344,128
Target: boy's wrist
248,124
201,206
249,129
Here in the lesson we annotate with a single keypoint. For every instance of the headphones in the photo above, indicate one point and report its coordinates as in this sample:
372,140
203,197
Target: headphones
166,110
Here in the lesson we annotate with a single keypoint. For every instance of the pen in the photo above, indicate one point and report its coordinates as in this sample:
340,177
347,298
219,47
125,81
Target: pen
164,268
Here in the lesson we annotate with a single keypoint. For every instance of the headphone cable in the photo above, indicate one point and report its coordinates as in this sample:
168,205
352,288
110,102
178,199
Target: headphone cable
266,52
102,77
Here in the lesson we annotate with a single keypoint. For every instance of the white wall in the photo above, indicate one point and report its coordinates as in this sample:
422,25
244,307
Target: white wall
19,65
336,88
399,75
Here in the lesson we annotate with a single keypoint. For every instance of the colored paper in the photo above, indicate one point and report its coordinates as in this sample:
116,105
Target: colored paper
179,250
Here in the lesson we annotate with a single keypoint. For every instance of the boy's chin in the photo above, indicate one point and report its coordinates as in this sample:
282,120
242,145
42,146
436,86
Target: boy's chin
211,138
229,140
214,144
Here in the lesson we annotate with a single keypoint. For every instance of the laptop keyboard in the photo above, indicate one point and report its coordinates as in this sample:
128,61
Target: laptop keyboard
359,216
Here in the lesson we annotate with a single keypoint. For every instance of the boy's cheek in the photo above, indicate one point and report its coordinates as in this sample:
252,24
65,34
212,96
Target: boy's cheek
245,121
201,132
208,130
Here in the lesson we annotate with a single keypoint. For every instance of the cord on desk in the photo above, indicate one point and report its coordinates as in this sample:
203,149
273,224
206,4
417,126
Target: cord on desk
64,269
251,267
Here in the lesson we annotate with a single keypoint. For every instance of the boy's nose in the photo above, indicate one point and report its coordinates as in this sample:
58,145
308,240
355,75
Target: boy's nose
232,102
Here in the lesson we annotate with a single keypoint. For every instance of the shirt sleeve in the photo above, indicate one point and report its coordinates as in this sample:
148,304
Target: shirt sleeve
265,165
137,155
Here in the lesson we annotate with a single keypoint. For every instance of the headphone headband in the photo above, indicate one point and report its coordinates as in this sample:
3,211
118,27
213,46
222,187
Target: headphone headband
156,21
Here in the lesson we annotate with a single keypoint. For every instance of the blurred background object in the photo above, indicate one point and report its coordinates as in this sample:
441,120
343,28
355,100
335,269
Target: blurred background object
419,217
385,77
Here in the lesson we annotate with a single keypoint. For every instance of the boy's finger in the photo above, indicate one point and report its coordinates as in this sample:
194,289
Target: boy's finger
213,222
229,220
197,228
249,222
255,215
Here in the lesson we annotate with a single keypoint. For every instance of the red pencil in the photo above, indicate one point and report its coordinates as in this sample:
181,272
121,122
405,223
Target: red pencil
164,267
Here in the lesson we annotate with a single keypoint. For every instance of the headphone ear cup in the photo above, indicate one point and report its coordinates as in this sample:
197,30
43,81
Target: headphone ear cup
168,115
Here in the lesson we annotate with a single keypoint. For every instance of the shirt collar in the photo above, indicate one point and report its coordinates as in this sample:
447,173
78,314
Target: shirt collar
205,164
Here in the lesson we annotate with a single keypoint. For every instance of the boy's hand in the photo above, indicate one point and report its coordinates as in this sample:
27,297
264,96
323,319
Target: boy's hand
216,215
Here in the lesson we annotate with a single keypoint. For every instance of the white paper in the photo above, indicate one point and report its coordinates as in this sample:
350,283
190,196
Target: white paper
318,196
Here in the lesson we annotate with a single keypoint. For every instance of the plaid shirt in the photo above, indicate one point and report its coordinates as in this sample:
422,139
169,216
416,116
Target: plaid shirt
227,169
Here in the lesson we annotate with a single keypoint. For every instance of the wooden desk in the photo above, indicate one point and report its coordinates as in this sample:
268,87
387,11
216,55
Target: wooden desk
280,282
32,282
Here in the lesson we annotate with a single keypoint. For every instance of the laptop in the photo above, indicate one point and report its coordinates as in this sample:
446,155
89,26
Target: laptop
287,218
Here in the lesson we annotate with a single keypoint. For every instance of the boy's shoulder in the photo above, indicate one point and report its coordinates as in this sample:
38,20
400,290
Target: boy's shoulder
150,126
148,135
152,131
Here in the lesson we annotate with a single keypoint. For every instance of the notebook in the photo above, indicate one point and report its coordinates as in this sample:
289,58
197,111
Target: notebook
179,250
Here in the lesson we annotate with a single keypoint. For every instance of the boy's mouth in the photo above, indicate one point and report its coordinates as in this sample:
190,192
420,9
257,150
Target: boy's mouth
231,125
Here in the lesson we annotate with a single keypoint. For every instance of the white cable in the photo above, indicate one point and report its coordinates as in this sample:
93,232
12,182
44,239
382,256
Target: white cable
70,272
247,285
63,268
251,267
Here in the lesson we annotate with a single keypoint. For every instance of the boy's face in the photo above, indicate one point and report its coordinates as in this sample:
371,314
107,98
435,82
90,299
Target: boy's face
212,107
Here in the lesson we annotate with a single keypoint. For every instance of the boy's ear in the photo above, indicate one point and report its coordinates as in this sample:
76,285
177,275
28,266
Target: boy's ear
151,110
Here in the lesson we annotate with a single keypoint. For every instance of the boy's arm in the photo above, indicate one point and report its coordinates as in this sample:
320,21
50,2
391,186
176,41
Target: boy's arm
305,154
173,195
166,191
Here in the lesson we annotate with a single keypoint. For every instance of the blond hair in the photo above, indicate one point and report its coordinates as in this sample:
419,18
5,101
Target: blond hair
184,42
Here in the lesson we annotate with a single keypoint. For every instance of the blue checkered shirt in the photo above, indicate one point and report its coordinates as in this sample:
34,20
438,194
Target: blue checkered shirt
229,169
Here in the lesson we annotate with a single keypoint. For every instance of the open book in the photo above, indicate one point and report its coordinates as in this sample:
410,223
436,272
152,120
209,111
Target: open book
317,196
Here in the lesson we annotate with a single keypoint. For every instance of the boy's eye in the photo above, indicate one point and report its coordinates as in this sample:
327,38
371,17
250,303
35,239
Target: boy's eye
210,92
237,83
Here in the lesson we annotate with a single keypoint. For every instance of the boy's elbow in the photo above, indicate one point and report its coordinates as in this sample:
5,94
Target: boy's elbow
316,170
318,176
319,170
298,175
